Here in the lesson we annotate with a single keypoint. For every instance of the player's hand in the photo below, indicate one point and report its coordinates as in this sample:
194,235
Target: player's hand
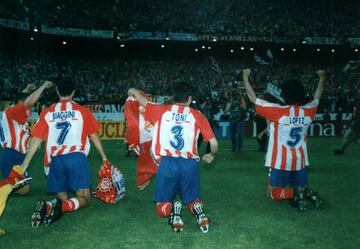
47,84
131,91
208,158
246,73
321,74
29,87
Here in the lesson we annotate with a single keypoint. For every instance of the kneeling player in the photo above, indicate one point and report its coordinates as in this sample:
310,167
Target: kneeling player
66,128
14,133
176,131
287,152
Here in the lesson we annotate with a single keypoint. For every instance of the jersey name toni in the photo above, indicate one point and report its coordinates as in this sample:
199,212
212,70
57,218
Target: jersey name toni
64,115
297,120
179,117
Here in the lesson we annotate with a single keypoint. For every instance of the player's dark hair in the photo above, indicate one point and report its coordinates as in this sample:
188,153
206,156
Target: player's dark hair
65,86
182,91
293,92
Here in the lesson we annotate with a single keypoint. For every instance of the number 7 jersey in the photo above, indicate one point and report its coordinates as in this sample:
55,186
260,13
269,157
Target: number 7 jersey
66,127
287,133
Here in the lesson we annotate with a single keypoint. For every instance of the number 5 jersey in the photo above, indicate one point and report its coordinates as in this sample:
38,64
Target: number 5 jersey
287,133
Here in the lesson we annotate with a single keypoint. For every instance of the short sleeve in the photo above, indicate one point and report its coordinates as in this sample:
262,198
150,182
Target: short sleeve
41,128
204,126
153,112
91,125
270,111
17,113
310,108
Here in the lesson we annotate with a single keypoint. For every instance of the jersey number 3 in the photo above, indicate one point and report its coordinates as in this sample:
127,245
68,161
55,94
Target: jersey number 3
178,144
295,134
64,127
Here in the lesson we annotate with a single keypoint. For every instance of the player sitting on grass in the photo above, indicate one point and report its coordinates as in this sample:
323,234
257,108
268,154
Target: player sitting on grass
66,128
177,128
287,152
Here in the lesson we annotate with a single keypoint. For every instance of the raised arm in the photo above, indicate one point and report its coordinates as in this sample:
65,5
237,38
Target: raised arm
249,90
142,100
320,88
34,97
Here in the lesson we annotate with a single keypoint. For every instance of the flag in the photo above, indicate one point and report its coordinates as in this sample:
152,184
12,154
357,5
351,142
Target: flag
269,54
274,91
139,137
260,60
215,66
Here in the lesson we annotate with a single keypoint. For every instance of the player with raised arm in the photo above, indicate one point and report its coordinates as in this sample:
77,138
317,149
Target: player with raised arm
287,152
176,130
15,133
66,127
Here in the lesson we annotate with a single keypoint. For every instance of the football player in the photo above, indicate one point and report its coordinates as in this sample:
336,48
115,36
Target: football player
66,127
176,130
287,152
14,132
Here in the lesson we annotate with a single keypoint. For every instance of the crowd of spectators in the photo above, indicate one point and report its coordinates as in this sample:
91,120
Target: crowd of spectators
265,18
105,81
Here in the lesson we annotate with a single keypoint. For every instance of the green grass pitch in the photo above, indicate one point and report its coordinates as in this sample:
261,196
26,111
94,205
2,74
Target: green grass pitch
233,191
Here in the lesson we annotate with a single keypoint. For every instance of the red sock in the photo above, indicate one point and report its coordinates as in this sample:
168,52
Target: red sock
191,205
69,205
163,209
279,194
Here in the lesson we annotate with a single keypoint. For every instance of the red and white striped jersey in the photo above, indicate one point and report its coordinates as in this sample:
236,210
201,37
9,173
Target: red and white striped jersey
14,129
287,133
176,130
66,127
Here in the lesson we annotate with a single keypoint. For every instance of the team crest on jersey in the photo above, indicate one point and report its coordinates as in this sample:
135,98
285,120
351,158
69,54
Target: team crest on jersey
105,185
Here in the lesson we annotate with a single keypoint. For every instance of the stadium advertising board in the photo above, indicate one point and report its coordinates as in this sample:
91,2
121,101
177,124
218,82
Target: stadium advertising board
78,32
14,24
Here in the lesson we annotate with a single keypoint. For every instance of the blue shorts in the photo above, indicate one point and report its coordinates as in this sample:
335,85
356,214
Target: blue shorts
283,178
69,172
9,158
177,175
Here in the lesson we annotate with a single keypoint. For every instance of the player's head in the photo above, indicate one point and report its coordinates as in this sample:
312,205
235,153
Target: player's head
183,92
293,92
65,87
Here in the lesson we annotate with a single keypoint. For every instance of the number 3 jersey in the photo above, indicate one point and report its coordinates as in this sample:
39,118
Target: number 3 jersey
66,127
287,133
176,130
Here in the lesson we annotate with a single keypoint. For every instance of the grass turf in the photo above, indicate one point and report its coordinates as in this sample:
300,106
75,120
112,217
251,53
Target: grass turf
233,191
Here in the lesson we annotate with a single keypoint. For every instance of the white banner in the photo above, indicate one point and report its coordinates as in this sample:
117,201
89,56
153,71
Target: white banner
14,24
321,40
354,41
77,32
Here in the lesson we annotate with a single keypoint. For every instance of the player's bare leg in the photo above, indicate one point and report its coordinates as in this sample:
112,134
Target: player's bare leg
23,190
84,197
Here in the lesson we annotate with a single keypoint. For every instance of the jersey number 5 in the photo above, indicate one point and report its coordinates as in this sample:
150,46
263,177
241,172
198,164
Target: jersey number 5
178,144
64,127
295,134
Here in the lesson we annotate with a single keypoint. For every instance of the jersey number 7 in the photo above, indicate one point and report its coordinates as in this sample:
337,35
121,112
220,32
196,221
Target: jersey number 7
64,127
